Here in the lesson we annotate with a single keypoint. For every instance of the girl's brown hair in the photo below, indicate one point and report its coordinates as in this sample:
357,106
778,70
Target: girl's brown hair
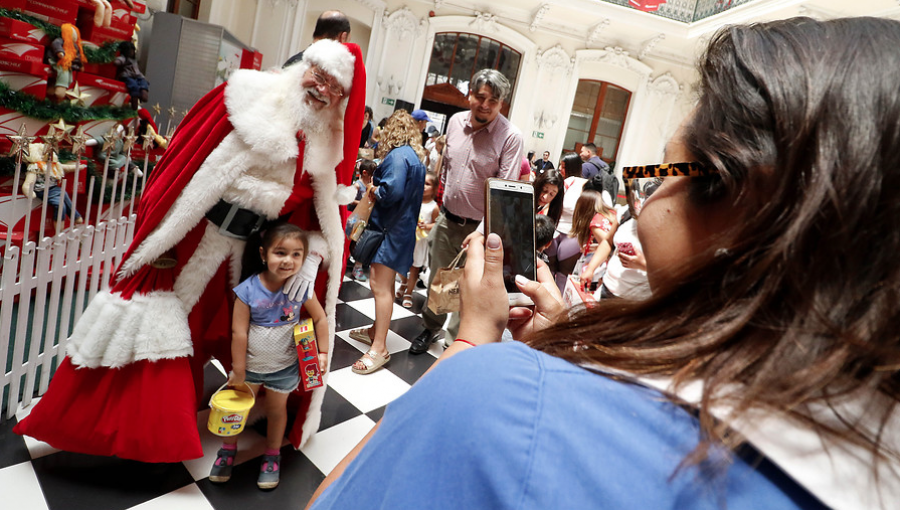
589,203
251,263
801,119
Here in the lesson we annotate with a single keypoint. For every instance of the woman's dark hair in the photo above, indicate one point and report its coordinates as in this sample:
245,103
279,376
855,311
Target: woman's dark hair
570,164
553,178
251,262
801,119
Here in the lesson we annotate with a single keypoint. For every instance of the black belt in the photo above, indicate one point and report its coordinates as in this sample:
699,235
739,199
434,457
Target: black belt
234,221
457,219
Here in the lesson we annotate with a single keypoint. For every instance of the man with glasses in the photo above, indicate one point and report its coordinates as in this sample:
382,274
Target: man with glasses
481,143
262,147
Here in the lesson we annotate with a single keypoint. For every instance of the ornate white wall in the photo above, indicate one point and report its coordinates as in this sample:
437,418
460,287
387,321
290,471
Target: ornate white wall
396,39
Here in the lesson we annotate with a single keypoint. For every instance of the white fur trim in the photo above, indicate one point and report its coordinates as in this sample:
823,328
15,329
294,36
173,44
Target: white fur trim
321,159
345,194
219,170
113,331
334,58
212,251
317,244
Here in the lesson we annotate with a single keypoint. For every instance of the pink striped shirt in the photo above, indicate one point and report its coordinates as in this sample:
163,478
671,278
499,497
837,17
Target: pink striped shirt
471,156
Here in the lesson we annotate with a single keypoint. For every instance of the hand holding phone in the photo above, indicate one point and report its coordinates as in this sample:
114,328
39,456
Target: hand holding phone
509,213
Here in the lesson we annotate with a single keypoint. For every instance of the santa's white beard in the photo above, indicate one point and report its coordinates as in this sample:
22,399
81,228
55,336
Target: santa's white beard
312,120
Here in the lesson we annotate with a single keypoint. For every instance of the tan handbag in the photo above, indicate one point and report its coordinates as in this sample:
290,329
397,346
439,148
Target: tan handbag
443,296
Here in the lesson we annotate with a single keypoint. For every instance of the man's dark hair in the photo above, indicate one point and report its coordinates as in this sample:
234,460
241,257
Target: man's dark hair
331,24
370,112
591,147
544,228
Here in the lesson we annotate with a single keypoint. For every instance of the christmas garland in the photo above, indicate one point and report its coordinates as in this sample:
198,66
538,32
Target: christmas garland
102,55
30,106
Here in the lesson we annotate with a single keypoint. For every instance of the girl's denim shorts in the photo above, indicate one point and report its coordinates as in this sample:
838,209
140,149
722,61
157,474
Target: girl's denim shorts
282,381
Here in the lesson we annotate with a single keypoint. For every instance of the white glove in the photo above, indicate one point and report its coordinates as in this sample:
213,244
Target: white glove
301,285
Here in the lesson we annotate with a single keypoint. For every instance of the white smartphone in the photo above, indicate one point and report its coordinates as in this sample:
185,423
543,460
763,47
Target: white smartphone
509,213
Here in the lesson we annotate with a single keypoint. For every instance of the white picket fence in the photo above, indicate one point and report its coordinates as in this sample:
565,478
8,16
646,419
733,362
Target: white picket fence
50,282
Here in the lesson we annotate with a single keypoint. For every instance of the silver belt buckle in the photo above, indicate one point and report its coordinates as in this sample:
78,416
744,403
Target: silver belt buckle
223,228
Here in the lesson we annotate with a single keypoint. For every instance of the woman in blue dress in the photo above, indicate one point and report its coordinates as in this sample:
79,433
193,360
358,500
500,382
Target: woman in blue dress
397,189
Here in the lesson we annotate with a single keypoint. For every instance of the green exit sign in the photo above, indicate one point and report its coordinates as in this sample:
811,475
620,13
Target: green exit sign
388,101
537,134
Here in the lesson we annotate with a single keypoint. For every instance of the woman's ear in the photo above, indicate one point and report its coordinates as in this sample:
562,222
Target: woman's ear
262,253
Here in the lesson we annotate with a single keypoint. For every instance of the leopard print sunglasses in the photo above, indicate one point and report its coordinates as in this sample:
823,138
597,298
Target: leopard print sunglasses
642,181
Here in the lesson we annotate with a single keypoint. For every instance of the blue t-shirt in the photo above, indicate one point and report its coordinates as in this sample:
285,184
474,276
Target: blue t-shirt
506,427
267,307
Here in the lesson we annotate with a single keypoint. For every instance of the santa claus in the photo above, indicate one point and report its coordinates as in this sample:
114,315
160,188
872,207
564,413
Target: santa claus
265,145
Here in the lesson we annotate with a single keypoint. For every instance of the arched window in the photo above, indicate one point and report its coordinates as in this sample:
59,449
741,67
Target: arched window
455,57
598,116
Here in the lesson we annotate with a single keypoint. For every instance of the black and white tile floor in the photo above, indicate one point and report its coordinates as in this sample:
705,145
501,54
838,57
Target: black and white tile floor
35,476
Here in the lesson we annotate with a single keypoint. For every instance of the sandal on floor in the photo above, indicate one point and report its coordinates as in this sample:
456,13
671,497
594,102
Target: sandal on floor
407,301
361,335
372,361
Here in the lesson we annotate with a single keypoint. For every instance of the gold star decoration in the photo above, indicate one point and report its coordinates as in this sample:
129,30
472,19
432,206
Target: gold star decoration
79,98
51,142
156,108
172,111
128,140
20,141
147,141
63,128
78,140
109,140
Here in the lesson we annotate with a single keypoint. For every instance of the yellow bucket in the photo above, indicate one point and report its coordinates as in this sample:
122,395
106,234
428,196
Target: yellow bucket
229,410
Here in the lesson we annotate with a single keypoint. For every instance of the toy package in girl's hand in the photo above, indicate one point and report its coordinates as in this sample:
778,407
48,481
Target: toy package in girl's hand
308,352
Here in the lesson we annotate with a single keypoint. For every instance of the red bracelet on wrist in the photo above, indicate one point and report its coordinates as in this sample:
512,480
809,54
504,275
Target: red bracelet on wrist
464,341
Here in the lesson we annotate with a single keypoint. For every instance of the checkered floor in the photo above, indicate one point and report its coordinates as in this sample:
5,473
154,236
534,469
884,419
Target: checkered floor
34,475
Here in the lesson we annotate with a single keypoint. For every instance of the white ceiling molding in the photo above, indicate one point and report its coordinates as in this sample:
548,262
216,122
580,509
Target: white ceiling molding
555,60
613,56
595,32
485,21
290,3
648,46
665,85
403,24
538,17
393,86
375,5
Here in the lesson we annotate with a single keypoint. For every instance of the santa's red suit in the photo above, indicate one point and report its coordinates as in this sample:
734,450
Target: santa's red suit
134,370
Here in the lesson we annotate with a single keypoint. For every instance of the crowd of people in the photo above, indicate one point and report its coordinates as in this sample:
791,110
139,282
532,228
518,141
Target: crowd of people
580,199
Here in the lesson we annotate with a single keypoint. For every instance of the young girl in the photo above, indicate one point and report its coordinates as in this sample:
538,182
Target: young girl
262,346
594,225
428,214
366,169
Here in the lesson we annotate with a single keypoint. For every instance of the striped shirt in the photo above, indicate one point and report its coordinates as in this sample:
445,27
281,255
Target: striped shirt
472,156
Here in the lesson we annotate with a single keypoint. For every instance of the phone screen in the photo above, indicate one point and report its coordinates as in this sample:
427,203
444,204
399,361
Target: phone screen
512,218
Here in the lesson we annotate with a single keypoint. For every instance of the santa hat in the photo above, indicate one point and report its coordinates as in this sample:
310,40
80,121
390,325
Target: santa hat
334,58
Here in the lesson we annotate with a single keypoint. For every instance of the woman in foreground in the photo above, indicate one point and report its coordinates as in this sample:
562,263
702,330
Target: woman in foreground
762,373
